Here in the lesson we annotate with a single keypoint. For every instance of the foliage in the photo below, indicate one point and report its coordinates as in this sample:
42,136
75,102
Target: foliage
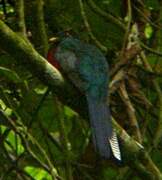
40,137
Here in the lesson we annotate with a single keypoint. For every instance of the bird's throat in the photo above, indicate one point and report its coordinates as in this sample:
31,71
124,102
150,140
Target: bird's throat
52,60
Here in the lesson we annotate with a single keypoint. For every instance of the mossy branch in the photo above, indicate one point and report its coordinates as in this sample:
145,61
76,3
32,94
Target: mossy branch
27,56
40,26
20,17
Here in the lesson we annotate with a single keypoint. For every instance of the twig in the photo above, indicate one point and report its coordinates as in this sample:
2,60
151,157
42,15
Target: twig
142,171
151,50
125,40
158,132
86,23
51,168
148,72
116,80
64,140
36,111
40,31
149,164
137,149
105,15
127,56
146,18
51,138
131,113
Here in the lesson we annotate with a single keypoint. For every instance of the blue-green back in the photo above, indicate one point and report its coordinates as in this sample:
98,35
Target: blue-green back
91,66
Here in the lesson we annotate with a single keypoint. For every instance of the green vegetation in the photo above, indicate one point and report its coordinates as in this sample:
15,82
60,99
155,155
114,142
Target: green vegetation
44,127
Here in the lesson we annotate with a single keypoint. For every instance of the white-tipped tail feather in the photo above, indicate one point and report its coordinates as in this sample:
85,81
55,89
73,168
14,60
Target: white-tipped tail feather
115,146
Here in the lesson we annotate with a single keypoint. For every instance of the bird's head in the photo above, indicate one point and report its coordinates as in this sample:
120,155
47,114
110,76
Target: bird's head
63,49
54,42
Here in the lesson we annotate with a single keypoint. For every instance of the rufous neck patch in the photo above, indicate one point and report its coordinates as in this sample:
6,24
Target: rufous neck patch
51,58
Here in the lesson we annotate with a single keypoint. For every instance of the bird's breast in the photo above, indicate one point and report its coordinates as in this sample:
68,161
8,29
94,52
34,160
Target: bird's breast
67,59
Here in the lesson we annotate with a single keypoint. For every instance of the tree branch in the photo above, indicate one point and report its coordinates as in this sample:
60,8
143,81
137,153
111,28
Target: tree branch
86,23
27,56
20,17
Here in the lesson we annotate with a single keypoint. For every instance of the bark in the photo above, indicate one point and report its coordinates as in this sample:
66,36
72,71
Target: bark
35,15
27,56
21,27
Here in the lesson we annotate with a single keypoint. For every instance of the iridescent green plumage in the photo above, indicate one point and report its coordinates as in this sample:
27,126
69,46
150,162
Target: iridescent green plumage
87,68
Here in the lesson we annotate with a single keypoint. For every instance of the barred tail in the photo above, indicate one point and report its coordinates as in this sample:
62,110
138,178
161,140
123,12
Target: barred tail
104,137
113,140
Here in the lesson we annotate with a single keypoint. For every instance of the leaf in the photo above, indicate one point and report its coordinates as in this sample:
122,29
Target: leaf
15,143
148,31
9,75
37,173
152,4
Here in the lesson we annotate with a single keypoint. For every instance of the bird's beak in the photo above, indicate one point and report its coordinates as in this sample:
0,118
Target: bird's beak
53,39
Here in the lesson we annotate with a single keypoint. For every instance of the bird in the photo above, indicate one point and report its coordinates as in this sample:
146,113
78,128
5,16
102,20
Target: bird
87,68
